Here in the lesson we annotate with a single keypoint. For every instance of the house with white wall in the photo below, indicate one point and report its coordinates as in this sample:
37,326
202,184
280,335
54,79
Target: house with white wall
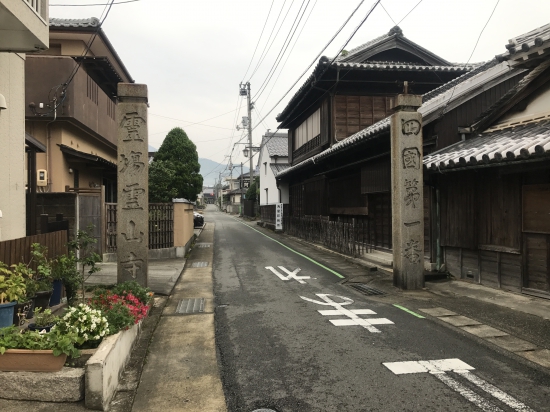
273,159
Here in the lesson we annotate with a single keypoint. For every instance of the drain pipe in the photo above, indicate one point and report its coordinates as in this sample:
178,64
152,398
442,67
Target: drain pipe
438,228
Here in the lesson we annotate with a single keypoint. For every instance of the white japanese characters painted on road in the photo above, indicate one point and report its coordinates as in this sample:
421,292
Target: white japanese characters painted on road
291,275
438,368
353,318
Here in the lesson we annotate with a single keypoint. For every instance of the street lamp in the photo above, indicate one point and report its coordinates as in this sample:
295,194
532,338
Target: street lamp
246,151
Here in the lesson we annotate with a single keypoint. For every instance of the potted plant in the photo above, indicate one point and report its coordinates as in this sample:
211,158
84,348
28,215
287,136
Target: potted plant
12,289
64,269
43,276
23,310
34,351
44,320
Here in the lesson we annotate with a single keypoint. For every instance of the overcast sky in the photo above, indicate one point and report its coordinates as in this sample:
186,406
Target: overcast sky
193,54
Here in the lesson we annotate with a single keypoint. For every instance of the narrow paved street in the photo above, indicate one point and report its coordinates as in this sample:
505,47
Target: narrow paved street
292,337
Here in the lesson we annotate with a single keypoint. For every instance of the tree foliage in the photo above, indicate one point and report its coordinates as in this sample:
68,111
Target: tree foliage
253,191
175,170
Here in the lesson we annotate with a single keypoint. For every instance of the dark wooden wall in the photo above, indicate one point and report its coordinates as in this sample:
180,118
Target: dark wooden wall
354,113
495,227
446,128
480,208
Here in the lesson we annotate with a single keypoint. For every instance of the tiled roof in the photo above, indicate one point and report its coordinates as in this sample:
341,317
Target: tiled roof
91,22
431,106
401,66
276,145
477,68
353,52
370,132
394,34
485,118
349,61
524,43
524,141
278,167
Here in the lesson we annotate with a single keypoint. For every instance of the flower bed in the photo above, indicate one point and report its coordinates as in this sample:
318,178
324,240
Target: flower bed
106,322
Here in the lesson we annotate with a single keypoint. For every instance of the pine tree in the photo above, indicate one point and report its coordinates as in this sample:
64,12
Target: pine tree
177,172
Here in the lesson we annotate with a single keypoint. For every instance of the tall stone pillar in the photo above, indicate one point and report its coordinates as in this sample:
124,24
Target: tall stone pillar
133,184
407,193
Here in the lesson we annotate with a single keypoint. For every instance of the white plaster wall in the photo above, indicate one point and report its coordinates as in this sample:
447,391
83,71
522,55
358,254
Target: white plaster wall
12,140
285,193
537,105
267,180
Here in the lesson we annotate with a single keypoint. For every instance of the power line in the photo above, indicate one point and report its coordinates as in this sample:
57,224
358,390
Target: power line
266,48
103,17
471,54
316,58
259,39
92,4
284,47
391,18
290,53
342,48
406,15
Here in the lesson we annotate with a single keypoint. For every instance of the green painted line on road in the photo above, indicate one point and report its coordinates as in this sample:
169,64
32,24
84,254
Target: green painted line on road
409,311
294,251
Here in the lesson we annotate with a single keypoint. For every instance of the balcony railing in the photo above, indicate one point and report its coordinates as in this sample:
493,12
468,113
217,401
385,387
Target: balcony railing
39,6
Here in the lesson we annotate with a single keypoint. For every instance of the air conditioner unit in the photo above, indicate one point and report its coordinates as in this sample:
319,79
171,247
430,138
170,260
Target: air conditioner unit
41,177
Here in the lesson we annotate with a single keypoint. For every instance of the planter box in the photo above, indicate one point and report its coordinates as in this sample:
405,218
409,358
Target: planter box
97,380
105,367
23,360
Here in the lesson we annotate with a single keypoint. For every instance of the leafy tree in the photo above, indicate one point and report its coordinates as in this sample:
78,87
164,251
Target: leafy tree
180,171
253,191
161,176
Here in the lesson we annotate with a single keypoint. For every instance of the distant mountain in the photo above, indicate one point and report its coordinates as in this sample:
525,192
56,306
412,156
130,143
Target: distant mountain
210,171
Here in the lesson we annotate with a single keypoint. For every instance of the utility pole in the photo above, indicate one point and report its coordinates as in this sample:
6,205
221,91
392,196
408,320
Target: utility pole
241,189
245,91
250,131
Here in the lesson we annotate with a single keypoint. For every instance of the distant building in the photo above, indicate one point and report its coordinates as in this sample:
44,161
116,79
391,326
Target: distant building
273,160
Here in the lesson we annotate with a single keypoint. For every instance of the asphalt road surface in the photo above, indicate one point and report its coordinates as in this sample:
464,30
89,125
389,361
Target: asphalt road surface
277,351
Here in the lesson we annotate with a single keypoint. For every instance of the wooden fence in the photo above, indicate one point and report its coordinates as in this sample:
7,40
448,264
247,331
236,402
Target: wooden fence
19,250
161,226
349,238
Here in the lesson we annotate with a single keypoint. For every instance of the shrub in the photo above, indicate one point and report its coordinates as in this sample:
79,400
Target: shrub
132,287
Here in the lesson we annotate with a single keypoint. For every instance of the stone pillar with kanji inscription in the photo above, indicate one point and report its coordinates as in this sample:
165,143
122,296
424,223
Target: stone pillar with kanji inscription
133,183
407,193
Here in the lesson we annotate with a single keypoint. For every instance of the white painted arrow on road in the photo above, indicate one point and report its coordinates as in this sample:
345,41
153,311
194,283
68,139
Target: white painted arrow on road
291,275
438,368
352,314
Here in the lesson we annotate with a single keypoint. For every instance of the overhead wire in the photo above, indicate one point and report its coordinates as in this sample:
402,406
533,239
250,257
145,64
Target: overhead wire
316,57
268,45
284,47
58,102
290,53
342,48
471,54
259,39
92,4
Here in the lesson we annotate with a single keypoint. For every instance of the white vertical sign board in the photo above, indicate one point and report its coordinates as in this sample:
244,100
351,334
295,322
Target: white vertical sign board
278,216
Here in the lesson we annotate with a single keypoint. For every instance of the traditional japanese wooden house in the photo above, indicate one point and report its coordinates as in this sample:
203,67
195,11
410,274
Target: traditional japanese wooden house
494,184
346,178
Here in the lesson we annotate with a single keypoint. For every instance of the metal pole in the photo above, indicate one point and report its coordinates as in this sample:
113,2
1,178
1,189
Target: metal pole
249,131
241,190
